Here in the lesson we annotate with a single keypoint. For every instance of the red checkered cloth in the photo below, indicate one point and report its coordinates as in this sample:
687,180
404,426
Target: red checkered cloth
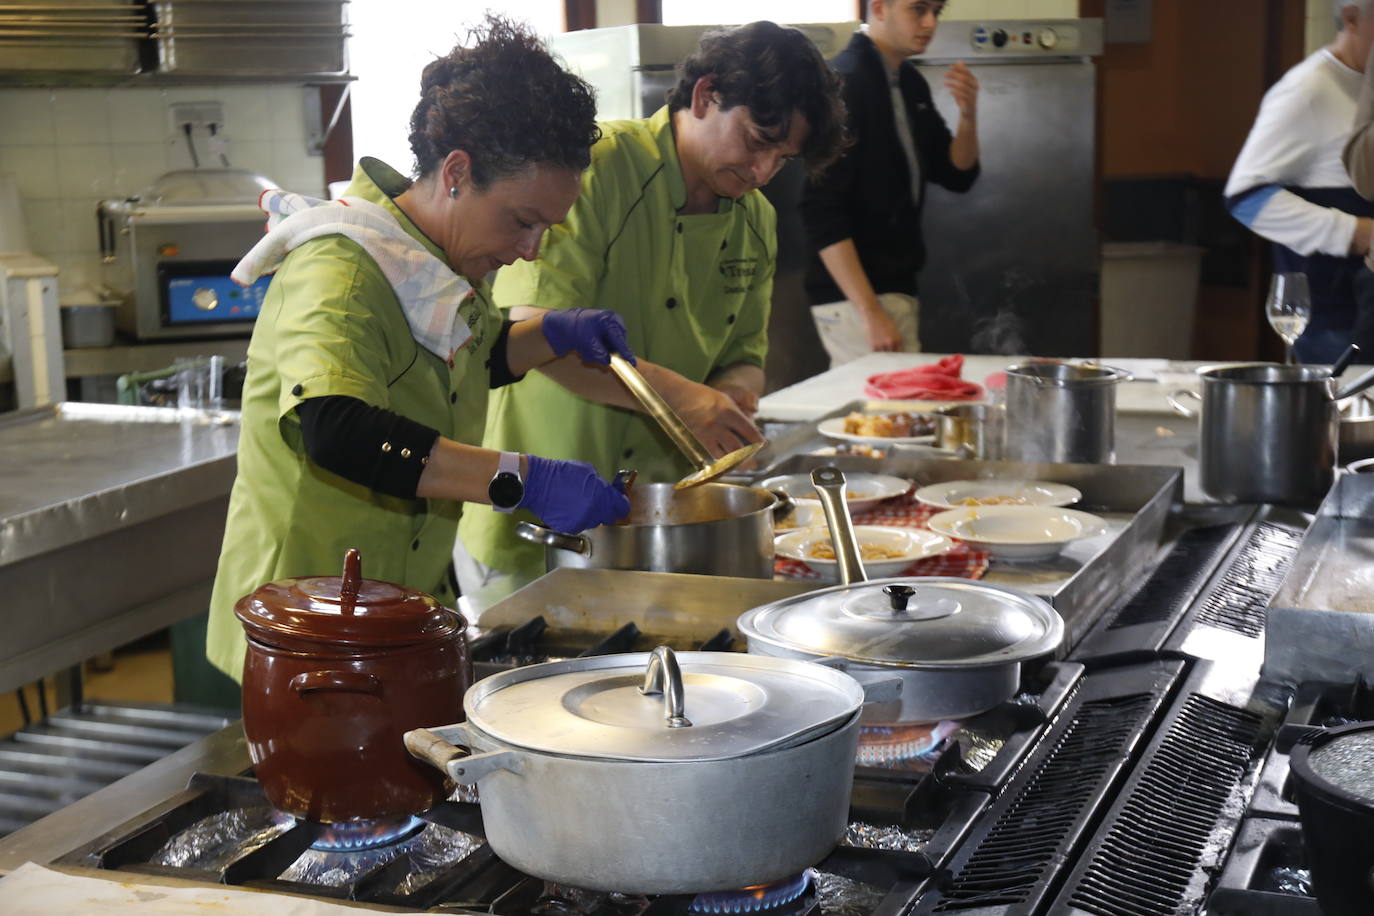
904,512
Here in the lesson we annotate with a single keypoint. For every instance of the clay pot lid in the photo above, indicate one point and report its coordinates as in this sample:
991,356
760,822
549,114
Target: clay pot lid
345,610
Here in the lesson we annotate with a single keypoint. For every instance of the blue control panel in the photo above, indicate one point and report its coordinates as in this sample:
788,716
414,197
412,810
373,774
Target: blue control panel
211,298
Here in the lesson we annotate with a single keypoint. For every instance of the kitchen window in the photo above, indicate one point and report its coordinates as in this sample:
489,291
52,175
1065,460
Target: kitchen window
393,40
701,12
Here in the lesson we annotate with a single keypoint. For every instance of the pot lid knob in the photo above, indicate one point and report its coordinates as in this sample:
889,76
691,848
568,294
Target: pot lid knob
662,675
351,582
898,596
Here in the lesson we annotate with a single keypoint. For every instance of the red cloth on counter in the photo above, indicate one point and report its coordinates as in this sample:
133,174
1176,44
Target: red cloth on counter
938,381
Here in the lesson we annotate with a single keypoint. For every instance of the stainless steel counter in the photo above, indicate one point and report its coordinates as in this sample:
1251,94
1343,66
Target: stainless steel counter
223,753
111,519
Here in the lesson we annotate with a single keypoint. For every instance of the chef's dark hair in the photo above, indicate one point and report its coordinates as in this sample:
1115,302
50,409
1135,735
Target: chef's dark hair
775,71
505,100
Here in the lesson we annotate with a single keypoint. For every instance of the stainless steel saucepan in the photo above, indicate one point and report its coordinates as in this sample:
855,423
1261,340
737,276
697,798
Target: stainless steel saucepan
715,529
658,773
957,645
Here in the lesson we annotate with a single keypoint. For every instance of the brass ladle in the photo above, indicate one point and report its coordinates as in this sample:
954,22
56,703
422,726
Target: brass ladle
707,468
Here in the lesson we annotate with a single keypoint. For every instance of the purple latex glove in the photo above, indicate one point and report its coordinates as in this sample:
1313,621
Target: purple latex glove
594,333
570,496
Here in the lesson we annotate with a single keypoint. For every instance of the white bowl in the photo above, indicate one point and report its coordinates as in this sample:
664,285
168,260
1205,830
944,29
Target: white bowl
862,490
1017,532
803,515
913,543
952,494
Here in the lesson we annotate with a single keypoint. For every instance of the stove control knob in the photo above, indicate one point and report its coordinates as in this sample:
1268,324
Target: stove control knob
999,38
205,299
1047,38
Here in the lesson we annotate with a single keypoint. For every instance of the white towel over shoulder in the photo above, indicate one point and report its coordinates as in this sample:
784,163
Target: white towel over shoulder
428,289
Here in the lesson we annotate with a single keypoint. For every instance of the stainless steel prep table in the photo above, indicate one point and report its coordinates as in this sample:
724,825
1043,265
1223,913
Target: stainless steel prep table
1134,501
111,519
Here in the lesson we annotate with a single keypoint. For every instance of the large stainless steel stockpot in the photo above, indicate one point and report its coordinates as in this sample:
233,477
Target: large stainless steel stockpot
1267,433
714,529
1058,411
630,773
956,645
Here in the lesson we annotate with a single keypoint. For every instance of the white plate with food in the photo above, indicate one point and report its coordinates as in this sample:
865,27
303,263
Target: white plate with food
1017,532
959,494
862,491
801,515
900,428
884,551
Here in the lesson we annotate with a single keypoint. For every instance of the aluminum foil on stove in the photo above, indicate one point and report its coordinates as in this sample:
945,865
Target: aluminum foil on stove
430,852
214,842
870,836
839,896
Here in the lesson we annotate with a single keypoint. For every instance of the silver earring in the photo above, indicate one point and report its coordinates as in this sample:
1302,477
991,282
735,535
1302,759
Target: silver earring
453,192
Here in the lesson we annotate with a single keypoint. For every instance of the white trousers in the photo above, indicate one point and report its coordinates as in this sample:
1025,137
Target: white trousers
842,330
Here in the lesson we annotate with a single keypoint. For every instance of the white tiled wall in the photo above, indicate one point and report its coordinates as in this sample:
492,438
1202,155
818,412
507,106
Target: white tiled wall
70,148
1011,9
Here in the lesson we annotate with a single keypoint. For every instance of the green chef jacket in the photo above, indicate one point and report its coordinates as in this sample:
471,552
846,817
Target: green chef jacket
331,325
694,292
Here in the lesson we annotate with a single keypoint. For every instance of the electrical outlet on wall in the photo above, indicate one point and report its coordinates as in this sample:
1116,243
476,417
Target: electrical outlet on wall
198,139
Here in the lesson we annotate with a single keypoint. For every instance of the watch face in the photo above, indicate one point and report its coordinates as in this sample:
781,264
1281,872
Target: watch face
506,490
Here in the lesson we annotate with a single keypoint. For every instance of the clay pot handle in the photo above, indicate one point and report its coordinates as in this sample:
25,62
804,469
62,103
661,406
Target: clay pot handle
352,580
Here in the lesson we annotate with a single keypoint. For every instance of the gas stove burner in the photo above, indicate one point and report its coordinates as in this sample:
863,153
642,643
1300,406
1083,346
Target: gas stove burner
354,836
882,744
756,898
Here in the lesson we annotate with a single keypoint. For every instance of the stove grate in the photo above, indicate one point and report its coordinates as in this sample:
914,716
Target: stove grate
1176,581
1238,602
1029,834
1151,856
1009,864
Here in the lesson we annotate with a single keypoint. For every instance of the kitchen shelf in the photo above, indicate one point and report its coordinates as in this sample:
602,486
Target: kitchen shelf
146,357
75,79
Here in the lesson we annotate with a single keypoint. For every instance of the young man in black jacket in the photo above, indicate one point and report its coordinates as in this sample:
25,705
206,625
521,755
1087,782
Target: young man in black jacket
863,216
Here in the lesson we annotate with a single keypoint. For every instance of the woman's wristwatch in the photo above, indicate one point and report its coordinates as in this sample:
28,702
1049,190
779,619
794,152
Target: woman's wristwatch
507,487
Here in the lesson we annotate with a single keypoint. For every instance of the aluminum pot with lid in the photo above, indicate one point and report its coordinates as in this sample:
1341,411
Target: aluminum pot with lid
657,773
956,645
338,668
714,529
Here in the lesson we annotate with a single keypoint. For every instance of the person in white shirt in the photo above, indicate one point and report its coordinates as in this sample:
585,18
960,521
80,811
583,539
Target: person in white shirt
1289,186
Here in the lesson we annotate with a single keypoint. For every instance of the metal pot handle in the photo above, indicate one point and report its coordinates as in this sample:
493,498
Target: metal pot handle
784,503
1173,397
529,531
458,761
662,675
338,681
829,483
1355,387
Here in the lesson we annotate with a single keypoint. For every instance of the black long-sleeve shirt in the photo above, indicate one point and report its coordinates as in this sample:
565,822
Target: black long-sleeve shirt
376,447
866,194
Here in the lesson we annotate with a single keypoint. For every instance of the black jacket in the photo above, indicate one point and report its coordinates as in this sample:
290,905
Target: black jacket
866,195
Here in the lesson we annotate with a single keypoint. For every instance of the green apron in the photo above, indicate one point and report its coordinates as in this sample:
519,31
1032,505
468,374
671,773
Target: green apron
694,292
331,325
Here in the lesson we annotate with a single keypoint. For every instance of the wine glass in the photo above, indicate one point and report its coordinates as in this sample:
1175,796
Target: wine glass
1288,308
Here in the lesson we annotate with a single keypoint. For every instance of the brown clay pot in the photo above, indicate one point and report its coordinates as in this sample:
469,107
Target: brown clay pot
338,669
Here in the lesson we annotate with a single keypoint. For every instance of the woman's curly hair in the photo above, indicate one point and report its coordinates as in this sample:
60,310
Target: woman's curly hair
506,101
775,71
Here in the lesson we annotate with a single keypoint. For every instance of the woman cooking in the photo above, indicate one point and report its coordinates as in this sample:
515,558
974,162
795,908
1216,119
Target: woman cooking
377,341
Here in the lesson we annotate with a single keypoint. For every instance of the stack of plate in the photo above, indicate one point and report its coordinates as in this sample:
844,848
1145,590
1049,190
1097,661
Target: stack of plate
250,37
71,35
